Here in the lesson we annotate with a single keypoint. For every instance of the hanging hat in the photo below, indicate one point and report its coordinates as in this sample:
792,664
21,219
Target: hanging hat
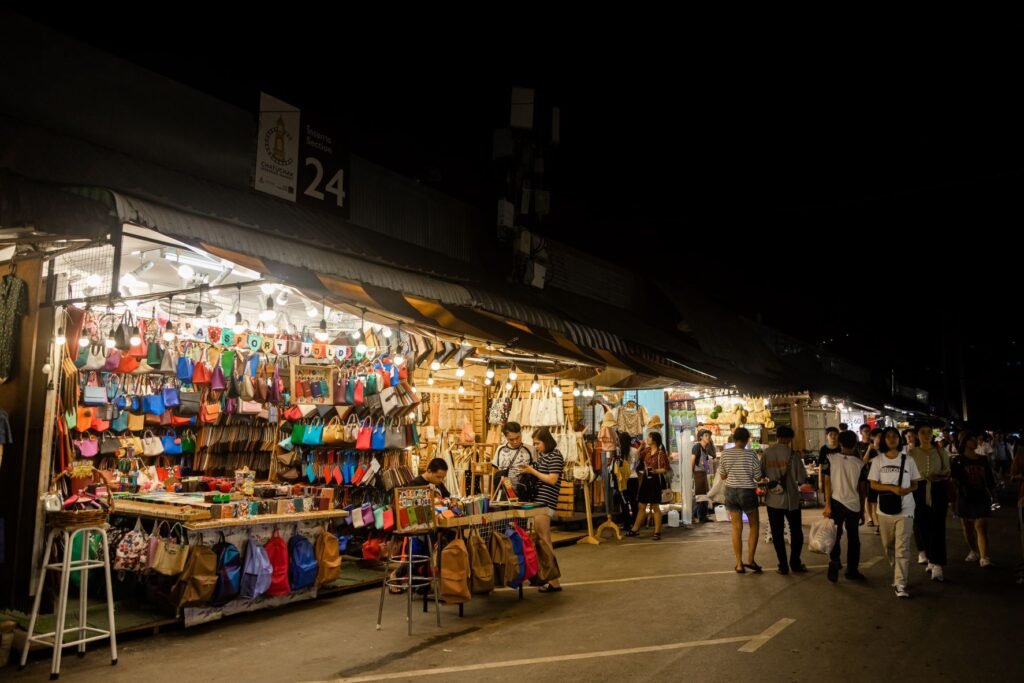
609,420
655,422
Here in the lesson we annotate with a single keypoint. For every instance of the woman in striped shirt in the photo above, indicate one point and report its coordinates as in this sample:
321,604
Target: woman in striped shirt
548,470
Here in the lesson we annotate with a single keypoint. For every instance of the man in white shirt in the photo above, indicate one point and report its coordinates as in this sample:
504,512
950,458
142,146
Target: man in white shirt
845,492
510,458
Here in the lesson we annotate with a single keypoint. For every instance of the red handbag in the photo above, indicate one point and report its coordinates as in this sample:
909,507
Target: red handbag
293,414
389,519
359,394
129,363
201,373
365,434
371,549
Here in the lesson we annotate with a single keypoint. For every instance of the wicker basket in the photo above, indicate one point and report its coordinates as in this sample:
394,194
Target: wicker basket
71,519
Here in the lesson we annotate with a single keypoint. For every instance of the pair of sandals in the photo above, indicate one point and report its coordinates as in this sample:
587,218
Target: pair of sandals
753,566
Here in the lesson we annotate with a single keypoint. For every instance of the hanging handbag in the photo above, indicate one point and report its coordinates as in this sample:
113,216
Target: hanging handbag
170,443
151,445
120,423
246,386
395,436
153,404
378,439
189,403
298,433
314,435
389,401
201,373
96,359
274,390
88,448
334,432
185,368
249,407
217,381
261,384
171,397
358,392
210,411
113,359
128,364
364,438
124,332
340,390
94,394
154,354
109,444
169,362
136,422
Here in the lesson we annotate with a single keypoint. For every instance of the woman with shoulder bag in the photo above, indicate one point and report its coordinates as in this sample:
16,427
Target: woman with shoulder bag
548,470
973,474
894,475
653,464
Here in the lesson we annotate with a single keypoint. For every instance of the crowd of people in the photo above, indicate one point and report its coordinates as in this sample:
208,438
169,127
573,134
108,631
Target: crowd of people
898,484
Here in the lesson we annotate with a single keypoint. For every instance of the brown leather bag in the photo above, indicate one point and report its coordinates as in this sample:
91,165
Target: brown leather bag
481,568
455,573
547,563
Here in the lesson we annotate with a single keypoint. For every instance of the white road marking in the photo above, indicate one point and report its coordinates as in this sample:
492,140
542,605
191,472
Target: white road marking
752,644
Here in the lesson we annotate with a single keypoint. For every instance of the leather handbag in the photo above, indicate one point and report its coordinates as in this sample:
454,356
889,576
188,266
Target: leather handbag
217,379
94,394
190,403
171,443
358,392
128,364
201,373
314,435
298,434
389,401
169,362
153,404
210,411
154,354
120,423
171,397
364,437
377,440
151,445
334,432
109,444
274,390
96,358
112,361
249,407
395,435
88,447
186,368
340,390
136,422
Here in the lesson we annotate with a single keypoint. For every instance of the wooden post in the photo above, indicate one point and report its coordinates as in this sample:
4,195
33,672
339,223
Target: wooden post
590,539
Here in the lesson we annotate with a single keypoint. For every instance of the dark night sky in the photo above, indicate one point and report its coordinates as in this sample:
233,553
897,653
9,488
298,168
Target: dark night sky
853,187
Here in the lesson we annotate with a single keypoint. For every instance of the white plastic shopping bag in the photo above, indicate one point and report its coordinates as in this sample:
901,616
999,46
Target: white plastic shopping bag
823,536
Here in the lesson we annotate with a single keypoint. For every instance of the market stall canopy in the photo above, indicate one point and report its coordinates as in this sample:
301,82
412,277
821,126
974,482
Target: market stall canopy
32,212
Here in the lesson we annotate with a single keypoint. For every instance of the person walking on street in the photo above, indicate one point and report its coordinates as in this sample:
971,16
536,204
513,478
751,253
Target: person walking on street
894,476
653,464
845,493
701,458
785,471
742,471
874,449
932,502
973,474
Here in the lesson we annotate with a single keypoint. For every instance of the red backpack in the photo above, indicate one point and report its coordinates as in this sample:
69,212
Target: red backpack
530,554
277,553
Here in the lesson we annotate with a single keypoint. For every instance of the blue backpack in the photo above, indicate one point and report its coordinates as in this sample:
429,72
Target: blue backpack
517,548
302,566
229,572
258,572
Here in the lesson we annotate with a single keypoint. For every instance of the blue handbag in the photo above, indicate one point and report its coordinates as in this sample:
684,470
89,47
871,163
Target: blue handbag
171,397
113,387
377,437
314,435
153,404
120,423
185,368
171,443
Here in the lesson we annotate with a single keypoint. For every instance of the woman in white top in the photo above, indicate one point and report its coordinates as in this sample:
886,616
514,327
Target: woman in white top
895,476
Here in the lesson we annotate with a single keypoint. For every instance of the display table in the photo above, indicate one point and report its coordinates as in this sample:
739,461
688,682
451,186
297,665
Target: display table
491,517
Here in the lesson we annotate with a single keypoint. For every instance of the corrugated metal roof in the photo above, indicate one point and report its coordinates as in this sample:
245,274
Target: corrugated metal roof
595,339
193,228
515,310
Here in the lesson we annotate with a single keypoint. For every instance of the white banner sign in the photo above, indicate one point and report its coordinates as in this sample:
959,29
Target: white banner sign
277,148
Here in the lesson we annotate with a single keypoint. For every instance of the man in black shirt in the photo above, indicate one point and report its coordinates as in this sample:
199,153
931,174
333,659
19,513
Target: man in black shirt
437,472
831,445
865,440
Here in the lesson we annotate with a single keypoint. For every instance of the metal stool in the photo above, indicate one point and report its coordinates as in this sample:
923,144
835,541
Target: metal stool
410,581
55,639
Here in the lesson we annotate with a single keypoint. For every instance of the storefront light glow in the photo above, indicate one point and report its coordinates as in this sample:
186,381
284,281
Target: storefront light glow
83,341
462,388
513,375
435,365
361,348
136,337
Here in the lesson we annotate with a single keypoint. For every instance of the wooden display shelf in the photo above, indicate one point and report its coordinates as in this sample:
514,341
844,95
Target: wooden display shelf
177,513
489,517
316,515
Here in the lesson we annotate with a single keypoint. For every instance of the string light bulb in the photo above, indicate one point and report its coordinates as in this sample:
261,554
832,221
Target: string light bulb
556,390
399,360
435,365
239,326
536,384
322,334
508,385
136,337
60,339
490,371
185,271
461,370
387,333
267,314
462,388
512,374
83,341
487,381
169,331
576,390
430,379
361,348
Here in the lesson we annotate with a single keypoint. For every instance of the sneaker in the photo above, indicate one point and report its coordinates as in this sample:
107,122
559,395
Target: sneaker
901,592
937,573
972,557
922,558
833,572
985,562
929,568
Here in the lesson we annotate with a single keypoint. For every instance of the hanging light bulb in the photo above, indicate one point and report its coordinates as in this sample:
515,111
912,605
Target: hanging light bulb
361,347
109,343
536,384
239,326
267,314
185,271
508,385
271,328
310,310
576,390
430,379
462,388
268,288
169,331
461,370
282,298
399,359
435,365
136,337
487,381
387,333
512,374
60,339
321,334
83,341
490,371
199,309
556,390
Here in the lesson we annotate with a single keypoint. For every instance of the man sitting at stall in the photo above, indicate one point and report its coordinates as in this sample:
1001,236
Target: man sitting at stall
437,472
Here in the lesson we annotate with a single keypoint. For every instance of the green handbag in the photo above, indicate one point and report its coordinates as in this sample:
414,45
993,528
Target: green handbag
188,443
370,384
227,363
298,433
154,354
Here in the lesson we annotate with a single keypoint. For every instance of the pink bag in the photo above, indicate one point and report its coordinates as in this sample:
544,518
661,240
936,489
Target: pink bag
88,448
113,361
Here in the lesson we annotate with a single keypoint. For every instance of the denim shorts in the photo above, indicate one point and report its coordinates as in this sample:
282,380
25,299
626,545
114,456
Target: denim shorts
740,500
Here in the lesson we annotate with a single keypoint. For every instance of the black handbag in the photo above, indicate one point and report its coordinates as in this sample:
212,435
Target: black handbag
891,503
189,403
